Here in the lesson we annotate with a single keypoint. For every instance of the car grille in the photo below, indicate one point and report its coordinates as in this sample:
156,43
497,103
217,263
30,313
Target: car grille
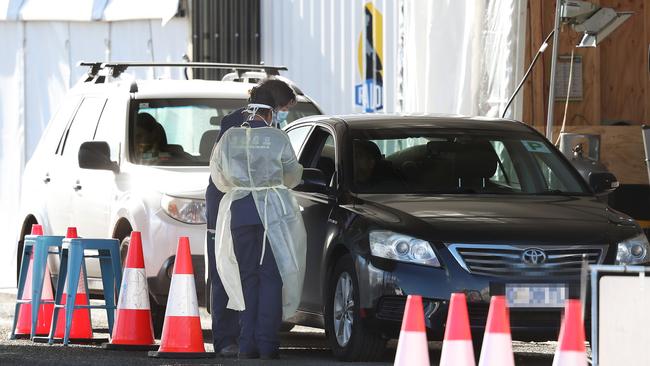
508,260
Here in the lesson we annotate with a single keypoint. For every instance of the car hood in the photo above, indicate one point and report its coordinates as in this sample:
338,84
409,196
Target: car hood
492,218
185,182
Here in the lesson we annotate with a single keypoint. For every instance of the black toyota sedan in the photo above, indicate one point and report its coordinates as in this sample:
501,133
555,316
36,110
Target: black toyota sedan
430,205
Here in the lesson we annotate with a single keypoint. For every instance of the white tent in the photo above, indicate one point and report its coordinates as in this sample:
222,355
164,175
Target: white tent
42,41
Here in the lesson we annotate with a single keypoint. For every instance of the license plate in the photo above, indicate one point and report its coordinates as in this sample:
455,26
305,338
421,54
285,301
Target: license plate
536,295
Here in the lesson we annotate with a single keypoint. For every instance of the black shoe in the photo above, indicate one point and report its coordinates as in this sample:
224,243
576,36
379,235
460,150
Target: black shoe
229,351
248,355
270,356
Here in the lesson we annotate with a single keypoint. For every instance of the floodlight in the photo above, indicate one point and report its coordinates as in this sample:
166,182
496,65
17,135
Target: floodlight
599,25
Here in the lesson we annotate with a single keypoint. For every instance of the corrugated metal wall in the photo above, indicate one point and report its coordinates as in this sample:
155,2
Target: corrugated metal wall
225,31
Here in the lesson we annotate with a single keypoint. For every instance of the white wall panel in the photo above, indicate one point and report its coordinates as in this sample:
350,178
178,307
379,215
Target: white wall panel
131,41
12,141
170,43
47,76
89,41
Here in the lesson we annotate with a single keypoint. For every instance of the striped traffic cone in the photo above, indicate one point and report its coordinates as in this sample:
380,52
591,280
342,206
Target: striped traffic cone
182,336
81,330
412,349
24,324
571,348
133,330
457,349
497,342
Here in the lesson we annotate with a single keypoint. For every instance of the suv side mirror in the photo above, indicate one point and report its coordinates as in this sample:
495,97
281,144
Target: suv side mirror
96,155
603,182
313,181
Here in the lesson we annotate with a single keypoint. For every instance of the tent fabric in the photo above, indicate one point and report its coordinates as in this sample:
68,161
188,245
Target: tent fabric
9,9
39,66
117,10
88,10
62,10
463,57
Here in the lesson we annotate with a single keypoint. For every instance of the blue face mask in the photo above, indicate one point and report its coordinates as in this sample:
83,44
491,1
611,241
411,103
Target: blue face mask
281,116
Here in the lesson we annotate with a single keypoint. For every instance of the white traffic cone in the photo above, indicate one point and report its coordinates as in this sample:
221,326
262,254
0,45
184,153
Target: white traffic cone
457,349
571,350
412,348
497,342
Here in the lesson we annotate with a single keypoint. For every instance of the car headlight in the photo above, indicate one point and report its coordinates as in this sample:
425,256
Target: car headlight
184,210
403,248
633,251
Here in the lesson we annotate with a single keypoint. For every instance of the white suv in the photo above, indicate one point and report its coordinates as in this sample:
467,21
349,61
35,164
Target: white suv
123,154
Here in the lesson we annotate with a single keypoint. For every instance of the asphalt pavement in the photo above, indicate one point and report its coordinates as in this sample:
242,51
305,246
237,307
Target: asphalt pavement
301,346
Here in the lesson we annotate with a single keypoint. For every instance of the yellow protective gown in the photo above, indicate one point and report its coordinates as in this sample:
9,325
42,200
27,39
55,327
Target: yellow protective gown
260,161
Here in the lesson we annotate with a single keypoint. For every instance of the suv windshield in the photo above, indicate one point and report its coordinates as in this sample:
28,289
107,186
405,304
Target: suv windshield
460,162
181,132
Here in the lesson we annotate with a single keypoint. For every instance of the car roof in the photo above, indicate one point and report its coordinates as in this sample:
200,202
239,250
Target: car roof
174,88
369,121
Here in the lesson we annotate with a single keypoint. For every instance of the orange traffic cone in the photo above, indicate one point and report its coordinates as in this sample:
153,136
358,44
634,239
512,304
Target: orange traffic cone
182,336
497,342
457,349
412,349
81,329
133,328
24,324
571,348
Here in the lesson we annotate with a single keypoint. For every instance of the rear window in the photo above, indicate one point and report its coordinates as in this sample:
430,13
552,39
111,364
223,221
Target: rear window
182,132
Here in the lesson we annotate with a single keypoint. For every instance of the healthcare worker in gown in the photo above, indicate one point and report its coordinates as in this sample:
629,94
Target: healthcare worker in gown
260,259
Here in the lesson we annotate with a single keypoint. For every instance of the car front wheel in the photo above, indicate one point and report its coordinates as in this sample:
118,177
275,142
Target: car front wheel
349,339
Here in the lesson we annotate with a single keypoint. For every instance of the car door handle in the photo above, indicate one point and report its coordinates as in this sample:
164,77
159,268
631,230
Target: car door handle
47,179
76,187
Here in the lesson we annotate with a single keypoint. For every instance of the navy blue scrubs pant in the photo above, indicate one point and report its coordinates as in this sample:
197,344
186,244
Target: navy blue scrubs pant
262,286
225,322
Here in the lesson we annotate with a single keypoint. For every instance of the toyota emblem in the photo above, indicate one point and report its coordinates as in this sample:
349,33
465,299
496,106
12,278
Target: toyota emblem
533,256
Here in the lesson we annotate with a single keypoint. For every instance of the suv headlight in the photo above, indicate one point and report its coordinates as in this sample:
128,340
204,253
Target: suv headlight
184,210
633,251
403,248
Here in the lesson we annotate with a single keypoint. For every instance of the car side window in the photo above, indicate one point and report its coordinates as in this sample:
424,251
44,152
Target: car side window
320,153
54,132
83,126
297,137
112,126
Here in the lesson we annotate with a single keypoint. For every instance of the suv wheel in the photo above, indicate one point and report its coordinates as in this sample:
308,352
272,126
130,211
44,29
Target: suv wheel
348,337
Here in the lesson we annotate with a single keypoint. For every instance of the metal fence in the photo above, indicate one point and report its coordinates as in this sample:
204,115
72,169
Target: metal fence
225,31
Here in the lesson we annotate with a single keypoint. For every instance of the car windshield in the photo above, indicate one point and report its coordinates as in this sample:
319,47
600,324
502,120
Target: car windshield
178,132
460,162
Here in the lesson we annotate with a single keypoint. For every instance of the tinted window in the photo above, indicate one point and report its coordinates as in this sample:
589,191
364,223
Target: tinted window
297,137
183,131
83,126
450,162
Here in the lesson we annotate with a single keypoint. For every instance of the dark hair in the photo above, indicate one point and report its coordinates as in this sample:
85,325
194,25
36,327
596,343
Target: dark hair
262,96
273,92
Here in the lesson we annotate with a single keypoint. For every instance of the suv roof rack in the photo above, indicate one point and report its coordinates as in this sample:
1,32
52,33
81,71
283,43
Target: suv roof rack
117,68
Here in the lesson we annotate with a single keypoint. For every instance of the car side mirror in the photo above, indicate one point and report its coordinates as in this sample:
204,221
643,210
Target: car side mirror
97,155
603,182
313,181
